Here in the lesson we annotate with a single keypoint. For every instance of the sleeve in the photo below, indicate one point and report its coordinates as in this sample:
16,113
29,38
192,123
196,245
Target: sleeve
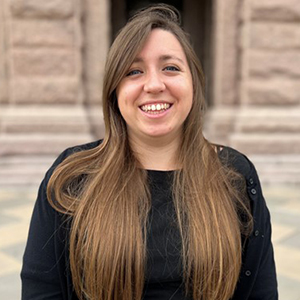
43,272
265,283
257,279
258,274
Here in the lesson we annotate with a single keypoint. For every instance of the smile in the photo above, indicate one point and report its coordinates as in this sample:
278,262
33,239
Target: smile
155,108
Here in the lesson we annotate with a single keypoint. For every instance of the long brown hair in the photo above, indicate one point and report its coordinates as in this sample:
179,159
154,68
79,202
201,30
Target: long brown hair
106,193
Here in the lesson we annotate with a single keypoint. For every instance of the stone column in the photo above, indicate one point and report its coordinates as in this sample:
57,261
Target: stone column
45,52
226,70
45,112
96,38
268,121
257,84
256,76
3,58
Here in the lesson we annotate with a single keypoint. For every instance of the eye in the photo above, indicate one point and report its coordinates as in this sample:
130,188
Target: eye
171,68
133,72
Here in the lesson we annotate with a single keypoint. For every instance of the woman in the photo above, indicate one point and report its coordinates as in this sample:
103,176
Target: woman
154,211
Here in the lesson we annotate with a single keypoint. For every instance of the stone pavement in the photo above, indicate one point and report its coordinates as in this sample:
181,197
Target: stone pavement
284,203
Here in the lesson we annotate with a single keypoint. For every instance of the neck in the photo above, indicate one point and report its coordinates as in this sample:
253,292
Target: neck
156,153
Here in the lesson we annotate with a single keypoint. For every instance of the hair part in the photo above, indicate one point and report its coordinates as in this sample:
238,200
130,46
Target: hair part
106,193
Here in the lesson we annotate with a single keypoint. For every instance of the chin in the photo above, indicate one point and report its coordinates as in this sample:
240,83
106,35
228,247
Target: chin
160,134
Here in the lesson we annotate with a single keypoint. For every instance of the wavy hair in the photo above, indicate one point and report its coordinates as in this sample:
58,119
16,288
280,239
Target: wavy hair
106,193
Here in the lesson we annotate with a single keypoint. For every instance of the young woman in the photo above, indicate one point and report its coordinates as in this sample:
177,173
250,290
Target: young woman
152,211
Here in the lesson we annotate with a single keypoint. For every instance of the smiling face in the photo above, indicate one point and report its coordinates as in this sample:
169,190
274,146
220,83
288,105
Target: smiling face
156,95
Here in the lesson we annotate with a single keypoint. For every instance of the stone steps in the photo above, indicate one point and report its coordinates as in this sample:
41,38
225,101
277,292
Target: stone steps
30,169
277,169
31,138
266,143
37,119
266,131
24,170
39,144
261,120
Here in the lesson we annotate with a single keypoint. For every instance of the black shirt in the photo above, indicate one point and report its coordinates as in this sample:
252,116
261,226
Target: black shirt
45,273
164,269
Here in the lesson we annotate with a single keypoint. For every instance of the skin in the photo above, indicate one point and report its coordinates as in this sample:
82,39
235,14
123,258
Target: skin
159,77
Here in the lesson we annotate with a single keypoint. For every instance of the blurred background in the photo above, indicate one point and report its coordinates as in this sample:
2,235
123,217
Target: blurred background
52,56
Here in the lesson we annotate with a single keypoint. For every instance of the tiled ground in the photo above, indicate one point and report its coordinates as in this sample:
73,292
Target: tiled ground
15,211
284,203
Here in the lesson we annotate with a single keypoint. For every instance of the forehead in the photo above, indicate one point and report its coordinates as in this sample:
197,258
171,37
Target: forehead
163,43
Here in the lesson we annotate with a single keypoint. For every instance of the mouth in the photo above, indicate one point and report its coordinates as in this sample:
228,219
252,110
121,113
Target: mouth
156,108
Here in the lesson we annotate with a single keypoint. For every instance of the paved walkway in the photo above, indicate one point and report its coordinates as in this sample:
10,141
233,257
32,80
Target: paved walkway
284,203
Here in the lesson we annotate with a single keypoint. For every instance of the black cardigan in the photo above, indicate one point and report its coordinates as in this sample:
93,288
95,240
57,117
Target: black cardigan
45,273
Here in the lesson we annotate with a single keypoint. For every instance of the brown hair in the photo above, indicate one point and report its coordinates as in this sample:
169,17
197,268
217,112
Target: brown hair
105,190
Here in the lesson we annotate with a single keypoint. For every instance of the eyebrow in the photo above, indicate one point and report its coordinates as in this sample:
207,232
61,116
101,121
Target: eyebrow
168,57
162,58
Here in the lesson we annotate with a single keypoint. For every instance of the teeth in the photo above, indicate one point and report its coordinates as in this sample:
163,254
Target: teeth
155,107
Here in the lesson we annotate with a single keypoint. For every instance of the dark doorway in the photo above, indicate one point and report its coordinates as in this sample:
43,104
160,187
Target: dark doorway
196,20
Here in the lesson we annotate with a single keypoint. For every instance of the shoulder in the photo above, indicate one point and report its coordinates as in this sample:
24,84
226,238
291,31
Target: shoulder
45,260
243,165
71,150
238,161
257,275
42,203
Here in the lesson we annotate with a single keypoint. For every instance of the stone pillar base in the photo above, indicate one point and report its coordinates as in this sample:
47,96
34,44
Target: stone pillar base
256,130
270,137
33,130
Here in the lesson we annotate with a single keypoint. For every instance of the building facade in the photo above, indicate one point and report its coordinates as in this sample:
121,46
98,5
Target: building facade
52,57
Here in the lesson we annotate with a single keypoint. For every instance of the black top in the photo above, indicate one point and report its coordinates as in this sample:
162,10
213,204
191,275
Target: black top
46,275
164,270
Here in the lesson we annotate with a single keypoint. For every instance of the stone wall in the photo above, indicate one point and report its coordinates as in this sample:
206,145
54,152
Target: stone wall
269,119
3,64
53,56
96,31
266,117
44,49
271,47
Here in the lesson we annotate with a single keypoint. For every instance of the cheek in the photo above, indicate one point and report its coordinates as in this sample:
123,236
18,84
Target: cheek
127,95
183,89
122,101
189,92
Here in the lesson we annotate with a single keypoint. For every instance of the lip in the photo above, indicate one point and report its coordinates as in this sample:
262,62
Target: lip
156,116
155,102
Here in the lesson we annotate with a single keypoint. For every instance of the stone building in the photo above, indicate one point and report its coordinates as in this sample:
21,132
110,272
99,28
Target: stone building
52,56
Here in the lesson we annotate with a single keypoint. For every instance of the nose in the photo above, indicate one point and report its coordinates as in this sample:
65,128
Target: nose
154,83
